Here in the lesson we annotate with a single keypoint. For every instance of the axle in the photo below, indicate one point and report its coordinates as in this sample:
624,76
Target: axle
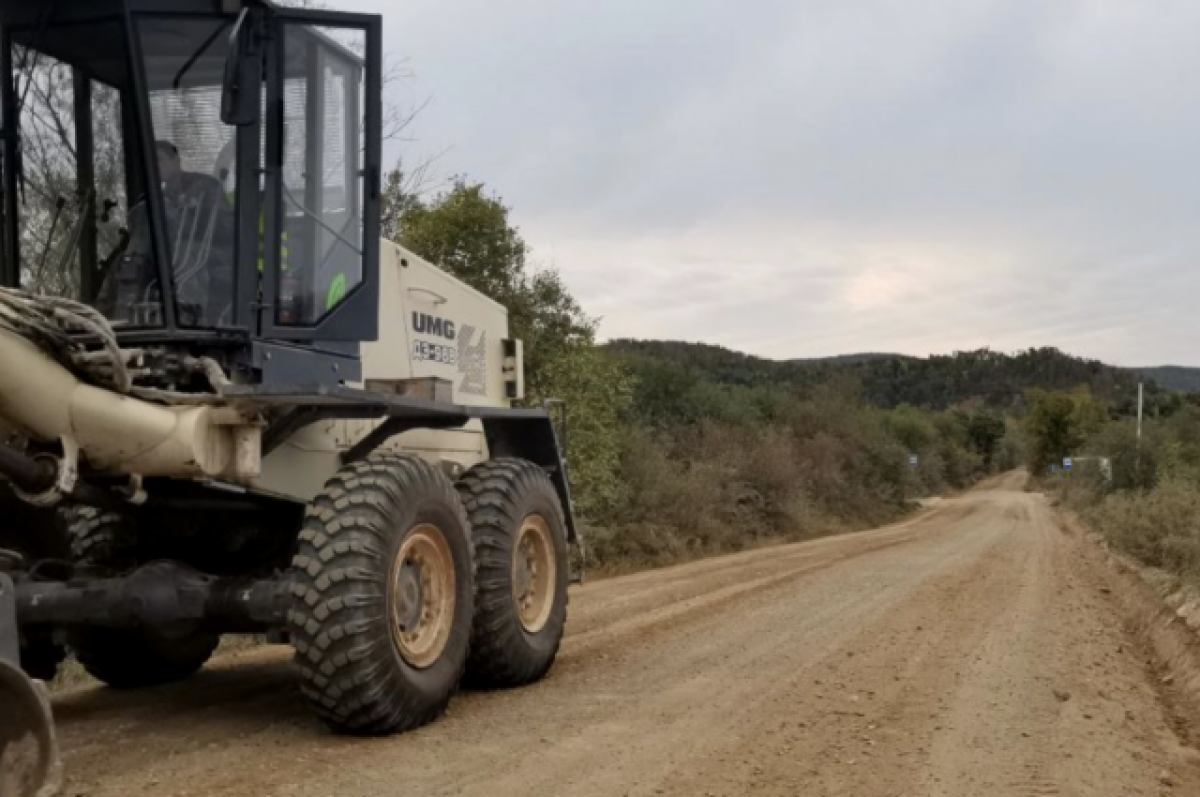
161,596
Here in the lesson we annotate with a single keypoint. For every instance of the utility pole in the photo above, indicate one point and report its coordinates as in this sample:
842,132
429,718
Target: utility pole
1139,425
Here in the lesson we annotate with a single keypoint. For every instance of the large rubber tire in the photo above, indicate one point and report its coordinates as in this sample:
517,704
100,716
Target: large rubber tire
136,659
515,637
40,657
102,543
100,540
377,520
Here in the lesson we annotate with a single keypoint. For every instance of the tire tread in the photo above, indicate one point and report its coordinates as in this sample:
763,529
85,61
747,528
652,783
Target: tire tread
493,493
338,620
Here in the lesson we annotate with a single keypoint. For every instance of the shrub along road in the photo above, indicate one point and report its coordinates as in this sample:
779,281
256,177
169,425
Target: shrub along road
978,648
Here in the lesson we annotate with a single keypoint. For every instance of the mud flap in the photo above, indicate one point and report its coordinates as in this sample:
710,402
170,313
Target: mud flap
541,439
29,762
557,409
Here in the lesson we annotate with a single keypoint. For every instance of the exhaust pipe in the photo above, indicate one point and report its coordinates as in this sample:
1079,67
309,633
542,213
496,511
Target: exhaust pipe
29,762
118,434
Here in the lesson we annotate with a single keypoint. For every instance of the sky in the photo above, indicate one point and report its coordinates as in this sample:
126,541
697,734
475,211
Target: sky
799,178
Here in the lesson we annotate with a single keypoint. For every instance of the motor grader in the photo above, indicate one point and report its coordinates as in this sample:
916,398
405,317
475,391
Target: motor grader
227,406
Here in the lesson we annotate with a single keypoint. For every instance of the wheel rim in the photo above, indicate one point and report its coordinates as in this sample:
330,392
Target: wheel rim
535,573
421,602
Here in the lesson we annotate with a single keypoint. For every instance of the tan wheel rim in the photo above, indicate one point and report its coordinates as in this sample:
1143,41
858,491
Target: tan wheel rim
421,596
535,573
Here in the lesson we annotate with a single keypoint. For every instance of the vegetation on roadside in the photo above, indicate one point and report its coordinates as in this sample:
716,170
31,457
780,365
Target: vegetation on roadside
679,450
751,468
673,456
1142,494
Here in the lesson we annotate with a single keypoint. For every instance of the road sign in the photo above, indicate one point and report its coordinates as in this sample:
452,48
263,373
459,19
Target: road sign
1067,464
913,460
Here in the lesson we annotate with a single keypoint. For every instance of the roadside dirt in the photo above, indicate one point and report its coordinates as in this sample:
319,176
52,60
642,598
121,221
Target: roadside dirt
979,648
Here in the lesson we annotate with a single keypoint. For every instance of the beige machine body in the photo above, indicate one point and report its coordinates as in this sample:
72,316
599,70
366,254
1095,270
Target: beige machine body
438,338
118,434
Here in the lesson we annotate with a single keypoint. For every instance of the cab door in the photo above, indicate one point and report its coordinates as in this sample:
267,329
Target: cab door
320,226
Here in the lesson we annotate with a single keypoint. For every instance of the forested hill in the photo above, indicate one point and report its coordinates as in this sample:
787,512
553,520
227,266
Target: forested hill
888,380
999,380
1173,377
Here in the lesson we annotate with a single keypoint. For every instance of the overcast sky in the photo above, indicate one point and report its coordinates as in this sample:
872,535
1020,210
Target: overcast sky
798,178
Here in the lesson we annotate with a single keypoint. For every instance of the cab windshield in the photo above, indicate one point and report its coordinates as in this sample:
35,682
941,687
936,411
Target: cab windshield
83,191
127,194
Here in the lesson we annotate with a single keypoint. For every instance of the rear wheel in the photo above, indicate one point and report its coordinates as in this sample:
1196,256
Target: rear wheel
103,542
382,589
40,656
520,543
137,659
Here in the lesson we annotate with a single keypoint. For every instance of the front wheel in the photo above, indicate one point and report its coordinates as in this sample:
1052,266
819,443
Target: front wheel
382,588
520,539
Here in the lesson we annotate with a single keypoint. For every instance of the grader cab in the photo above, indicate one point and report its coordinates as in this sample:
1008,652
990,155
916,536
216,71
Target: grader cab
226,405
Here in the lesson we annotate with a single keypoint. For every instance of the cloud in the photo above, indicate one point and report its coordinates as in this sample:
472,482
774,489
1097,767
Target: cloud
800,177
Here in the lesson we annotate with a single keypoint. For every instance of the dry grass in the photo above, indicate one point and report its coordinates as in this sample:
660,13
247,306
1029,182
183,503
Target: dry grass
718,488
71,675
1159,527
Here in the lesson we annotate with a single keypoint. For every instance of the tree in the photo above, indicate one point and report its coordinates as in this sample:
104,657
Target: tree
913,428
397,198
985,430
50,203
1058,424
597,390
467,232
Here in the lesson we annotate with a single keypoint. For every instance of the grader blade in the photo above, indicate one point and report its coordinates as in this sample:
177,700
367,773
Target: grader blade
29,764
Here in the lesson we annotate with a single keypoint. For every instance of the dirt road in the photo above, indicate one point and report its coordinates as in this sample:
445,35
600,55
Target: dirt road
977,649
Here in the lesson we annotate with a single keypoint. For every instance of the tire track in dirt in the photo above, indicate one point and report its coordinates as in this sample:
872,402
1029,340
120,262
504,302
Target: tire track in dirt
848,721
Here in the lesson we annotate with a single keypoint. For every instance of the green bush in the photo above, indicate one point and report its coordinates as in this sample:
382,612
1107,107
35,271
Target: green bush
801,468
1147,502
1160,527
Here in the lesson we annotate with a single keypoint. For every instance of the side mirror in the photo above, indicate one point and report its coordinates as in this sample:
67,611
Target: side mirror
239,90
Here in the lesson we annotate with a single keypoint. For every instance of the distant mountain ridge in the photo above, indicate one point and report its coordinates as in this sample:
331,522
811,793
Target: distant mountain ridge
1179,378
992,378
1182,378
853,359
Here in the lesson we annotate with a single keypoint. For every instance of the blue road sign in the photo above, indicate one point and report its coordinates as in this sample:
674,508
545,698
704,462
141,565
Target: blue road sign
1067,464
